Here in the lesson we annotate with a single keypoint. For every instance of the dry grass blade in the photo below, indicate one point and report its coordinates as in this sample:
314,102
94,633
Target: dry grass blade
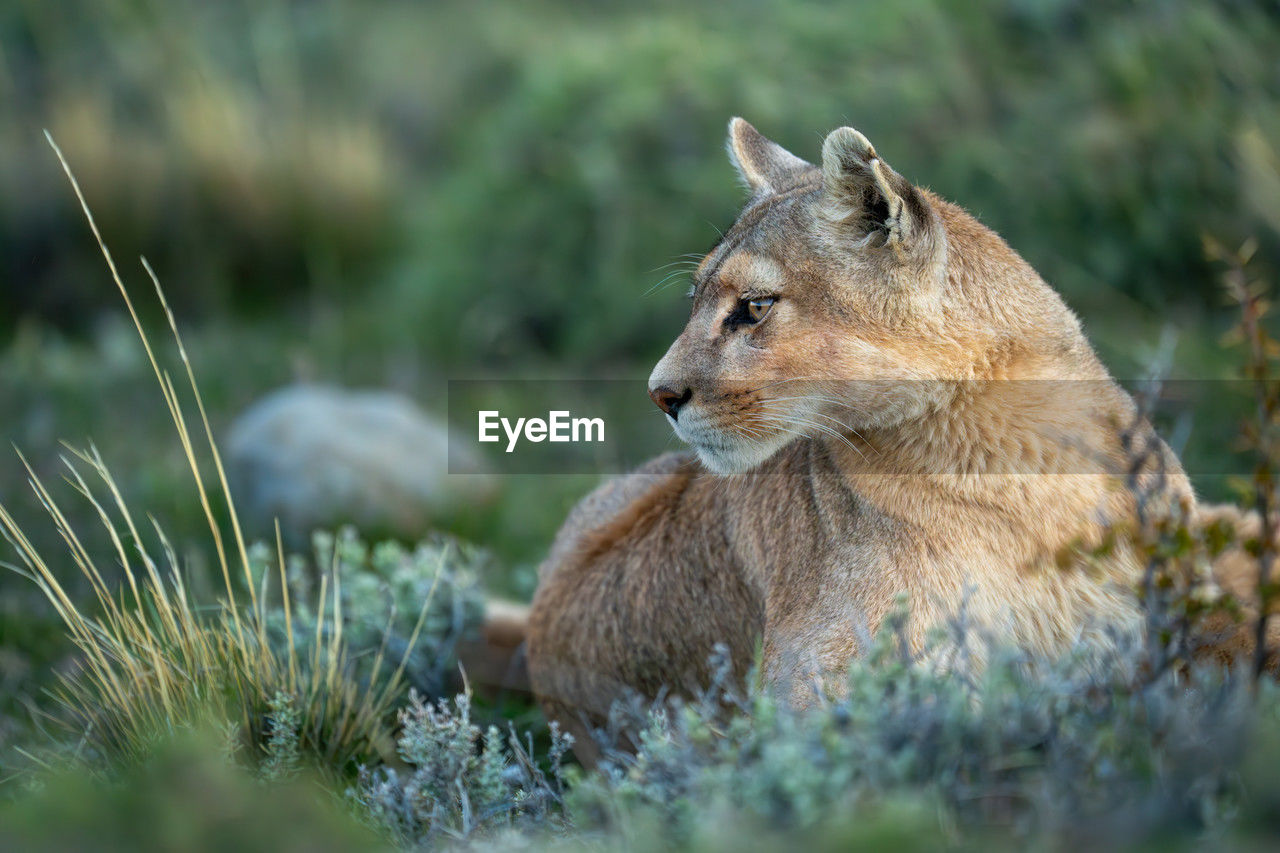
153,660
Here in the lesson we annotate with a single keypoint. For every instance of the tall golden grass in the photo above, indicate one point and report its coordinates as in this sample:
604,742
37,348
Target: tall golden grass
153,660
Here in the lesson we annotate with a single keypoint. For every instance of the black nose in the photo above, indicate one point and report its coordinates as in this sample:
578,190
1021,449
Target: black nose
670,401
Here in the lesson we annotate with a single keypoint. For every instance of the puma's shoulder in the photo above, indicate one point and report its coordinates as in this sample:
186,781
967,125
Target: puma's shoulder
615,504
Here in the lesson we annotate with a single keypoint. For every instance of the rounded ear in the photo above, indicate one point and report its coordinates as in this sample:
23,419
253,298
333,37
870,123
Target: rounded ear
763,165
865,196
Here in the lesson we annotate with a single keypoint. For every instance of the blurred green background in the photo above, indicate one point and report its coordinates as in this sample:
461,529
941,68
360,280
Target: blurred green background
400,193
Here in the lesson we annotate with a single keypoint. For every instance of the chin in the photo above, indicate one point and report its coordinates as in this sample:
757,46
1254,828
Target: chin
736,458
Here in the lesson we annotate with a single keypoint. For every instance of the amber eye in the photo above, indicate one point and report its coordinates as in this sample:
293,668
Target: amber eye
758,309
748,312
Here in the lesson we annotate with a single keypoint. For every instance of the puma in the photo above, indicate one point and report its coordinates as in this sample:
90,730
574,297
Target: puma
883,400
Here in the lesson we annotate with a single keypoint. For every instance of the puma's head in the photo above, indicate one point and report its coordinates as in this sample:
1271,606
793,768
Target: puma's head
834,305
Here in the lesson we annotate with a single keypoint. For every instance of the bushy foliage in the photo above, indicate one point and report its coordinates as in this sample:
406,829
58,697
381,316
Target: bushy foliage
389,601
1081,748
461,779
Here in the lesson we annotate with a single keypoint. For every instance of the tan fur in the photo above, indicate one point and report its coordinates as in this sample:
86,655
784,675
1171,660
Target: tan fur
1232,637
918,414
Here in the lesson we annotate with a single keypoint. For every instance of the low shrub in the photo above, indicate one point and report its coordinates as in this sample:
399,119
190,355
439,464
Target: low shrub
1080,749
384,596
461,780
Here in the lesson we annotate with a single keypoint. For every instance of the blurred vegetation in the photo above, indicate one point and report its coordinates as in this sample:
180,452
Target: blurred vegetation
396,194
184,796
502,175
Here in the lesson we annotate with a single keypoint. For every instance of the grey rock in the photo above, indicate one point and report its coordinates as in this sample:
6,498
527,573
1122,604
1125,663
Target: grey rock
317,456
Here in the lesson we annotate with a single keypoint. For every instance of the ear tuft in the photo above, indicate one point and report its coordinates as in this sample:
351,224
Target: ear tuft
865,195
763,165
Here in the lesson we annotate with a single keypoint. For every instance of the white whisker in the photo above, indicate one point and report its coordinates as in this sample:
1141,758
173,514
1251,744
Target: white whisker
796,420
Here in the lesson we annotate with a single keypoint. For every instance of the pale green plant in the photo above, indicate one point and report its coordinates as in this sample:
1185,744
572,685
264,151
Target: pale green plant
382,590
461,779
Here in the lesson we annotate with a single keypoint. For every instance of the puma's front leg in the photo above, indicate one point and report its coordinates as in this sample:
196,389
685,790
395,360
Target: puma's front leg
807,655
636,594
